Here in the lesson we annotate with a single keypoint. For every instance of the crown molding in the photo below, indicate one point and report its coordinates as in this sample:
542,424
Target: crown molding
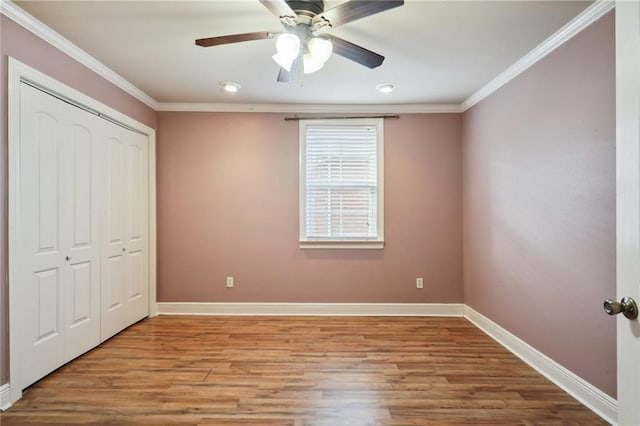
22,18
310,108
588,16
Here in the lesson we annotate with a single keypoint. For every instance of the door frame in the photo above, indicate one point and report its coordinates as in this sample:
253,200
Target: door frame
18,71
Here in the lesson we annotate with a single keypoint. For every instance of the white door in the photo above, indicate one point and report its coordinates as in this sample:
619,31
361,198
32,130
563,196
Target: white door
125,233
81,234
57,273
628,204
136,230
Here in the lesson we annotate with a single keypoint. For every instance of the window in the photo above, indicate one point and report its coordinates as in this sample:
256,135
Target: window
341,183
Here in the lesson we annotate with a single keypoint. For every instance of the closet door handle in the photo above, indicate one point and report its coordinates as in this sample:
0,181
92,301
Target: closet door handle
67,258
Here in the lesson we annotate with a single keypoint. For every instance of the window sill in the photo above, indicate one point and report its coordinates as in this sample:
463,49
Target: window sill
367,245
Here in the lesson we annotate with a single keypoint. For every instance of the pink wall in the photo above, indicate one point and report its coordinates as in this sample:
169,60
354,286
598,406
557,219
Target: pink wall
539,205
228,206
27,48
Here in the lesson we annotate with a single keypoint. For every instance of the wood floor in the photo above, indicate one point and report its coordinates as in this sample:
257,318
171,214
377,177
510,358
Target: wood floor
298,371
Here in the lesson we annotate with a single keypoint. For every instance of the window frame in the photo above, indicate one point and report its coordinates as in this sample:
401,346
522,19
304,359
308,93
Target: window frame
360,243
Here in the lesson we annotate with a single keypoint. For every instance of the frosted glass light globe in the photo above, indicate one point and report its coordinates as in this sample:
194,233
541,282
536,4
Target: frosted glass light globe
320,48
288,47
311,63
288,44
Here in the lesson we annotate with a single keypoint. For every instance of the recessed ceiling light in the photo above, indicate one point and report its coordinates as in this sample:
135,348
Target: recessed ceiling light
385,87
230,86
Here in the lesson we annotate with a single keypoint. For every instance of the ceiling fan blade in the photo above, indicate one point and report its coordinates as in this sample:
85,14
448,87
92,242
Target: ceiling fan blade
356,53
355,9
235,38
284,76
279,8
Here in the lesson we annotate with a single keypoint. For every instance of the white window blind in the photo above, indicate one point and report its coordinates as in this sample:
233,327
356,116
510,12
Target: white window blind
341,184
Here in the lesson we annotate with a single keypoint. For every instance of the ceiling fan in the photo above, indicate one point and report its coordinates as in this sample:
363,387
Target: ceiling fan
305,45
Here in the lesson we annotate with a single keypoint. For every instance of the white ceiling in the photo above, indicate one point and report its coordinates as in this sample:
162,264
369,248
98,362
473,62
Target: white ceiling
437,52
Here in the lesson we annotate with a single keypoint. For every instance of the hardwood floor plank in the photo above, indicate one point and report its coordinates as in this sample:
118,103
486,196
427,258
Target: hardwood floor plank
298,371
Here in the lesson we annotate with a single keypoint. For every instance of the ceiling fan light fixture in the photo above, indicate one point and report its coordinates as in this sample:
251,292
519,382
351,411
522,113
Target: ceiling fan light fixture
288,44
288,49
311,64
318,51
304,22
320,48
284,61
385,87
230,86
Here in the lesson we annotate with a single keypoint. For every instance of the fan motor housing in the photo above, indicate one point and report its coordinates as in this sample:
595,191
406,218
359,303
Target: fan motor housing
308,8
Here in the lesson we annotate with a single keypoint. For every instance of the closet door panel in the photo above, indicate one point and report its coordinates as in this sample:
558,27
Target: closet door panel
40,254
136,269
114,285
81,234
115,192
80,297
114,275
137,232
136,156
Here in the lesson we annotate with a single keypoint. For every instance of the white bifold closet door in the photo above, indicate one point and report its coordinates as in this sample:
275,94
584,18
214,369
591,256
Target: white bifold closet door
124,231
59,273
81,258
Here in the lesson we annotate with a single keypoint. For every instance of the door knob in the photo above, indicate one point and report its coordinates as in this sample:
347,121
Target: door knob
626,305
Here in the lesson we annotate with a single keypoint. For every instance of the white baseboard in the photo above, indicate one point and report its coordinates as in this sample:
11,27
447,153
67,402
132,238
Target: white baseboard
312,309
592,397
5,396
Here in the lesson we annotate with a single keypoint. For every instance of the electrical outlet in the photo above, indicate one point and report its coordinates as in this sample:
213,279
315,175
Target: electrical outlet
229,282
419,283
